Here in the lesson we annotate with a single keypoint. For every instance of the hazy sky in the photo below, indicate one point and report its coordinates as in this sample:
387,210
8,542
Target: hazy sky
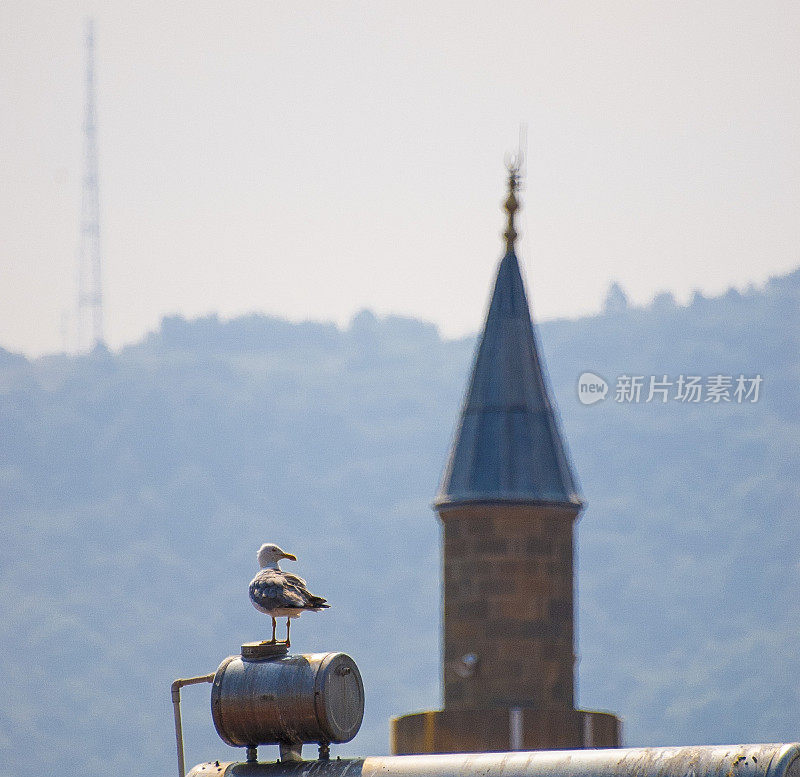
310,159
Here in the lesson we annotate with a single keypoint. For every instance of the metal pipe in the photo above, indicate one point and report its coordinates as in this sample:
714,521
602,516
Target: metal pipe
515,728
175,689
774,760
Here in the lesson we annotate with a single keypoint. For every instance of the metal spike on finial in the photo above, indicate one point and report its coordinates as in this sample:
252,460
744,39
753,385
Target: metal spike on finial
513,165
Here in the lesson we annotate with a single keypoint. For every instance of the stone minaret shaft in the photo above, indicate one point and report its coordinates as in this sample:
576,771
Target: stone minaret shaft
508,607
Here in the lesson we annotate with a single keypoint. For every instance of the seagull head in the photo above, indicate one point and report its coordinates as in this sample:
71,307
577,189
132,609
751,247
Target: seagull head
269,554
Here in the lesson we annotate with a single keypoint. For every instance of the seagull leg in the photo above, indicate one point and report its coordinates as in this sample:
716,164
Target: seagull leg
274,624
288,623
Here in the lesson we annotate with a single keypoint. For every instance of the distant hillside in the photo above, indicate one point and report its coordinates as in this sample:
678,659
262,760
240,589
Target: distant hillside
136,487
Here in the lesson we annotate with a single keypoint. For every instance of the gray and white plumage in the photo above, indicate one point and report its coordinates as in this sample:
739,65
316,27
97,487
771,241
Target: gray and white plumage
281,594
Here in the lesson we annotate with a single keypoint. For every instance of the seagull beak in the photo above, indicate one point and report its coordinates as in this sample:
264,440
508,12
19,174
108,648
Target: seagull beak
290,556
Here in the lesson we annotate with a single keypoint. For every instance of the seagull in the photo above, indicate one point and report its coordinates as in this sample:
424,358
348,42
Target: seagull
280,594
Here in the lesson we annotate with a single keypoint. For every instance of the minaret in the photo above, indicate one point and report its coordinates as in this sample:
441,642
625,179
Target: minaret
508,504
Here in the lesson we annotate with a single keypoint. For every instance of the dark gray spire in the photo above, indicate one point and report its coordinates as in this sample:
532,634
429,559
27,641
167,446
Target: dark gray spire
508,446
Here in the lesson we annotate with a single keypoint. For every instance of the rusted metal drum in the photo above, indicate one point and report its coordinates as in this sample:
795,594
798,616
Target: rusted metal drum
317,697
694,761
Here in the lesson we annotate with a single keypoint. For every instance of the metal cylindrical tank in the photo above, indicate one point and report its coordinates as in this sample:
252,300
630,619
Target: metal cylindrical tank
317,697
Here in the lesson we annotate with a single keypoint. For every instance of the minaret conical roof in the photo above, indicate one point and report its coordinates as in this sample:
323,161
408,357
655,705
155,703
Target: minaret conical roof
508,446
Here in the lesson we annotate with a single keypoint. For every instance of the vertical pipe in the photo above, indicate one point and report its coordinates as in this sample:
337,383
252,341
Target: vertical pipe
515,728
176,710
588,730
430,732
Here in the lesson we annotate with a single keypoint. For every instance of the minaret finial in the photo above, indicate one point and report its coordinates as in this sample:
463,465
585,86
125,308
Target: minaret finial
513,164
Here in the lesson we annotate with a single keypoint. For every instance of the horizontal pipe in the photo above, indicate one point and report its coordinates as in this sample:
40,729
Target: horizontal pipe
176,686
774,760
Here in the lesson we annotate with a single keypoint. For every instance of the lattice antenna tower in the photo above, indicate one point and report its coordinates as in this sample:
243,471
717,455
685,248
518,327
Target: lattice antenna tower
90,288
